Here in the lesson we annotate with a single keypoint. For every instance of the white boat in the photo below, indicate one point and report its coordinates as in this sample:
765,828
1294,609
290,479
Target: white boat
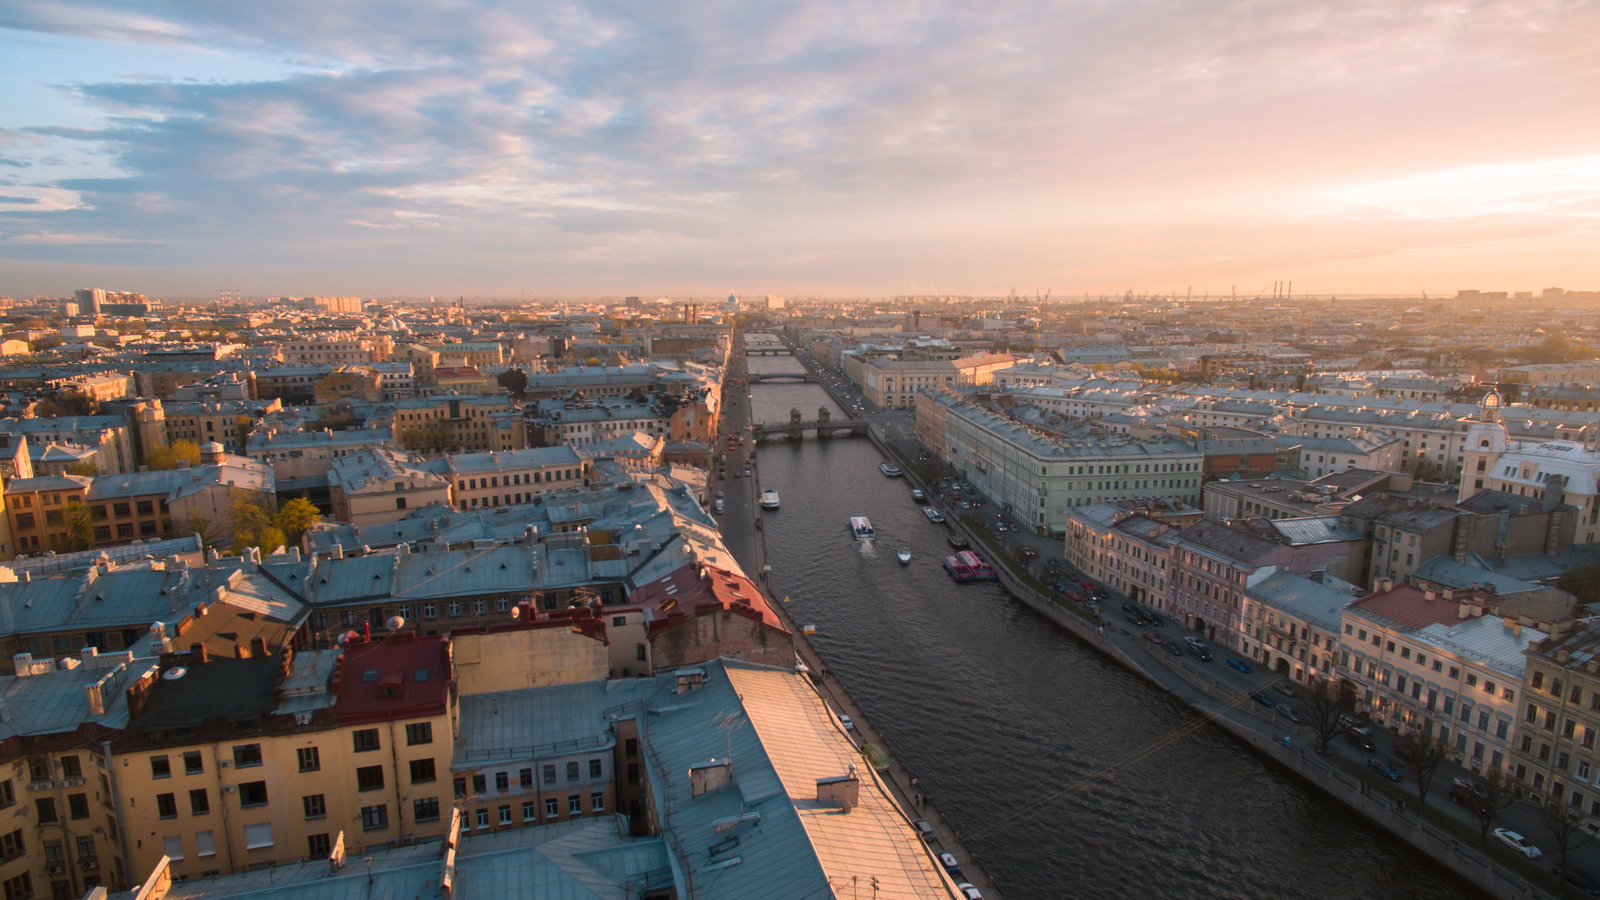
891,471
918,495
904,556
861,528
933,515
769,499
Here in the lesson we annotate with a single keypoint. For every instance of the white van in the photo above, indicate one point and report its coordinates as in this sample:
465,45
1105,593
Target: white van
719,507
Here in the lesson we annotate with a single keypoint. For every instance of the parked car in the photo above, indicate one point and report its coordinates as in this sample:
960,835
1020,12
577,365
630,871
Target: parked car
1153,616
1288,713
1464,790
923,828
1517,842
845,721
969,891
1577,879
1199,651
1172,648
1262,699
1238,665
1152,637
949,862
1404,750
1360,737
1382,767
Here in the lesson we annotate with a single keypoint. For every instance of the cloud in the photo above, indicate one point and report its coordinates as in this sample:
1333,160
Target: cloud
608,143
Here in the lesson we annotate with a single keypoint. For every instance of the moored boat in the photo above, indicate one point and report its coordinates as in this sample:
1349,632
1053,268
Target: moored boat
918,495
861,528
891,471
957,541
769,499
958,570
933,515
980,569
904,556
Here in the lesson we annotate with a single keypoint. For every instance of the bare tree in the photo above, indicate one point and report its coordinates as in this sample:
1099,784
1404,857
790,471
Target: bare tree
1325,703
1490,794
1565,824
1420,756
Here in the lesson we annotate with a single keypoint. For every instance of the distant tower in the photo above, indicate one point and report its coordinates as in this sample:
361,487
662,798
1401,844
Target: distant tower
1486,442
213,453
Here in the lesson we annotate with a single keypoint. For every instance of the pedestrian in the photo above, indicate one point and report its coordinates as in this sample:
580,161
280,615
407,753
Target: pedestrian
913,781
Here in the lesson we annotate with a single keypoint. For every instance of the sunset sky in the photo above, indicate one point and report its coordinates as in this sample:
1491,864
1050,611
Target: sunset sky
845,148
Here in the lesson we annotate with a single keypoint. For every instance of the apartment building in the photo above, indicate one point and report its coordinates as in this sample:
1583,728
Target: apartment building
377,484
1290,624
293,384
229,423
332,350
474,422
894,382
1567,472
515,476
265,757
1439,663
113,434
1212,566
1126,544
37,510
1038,478
1372,451
1559,722
580,422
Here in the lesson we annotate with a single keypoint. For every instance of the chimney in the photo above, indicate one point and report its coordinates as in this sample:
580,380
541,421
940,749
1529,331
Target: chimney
197,655
88,655
840,790
23,663
1448,593
709,776
258,647
1430,595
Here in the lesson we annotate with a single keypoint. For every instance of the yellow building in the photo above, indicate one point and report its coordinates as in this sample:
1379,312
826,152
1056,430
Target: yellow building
265,756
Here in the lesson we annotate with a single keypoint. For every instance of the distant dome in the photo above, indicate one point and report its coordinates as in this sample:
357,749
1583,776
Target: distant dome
1490,400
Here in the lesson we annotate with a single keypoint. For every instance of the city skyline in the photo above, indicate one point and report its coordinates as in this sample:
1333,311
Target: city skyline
818,149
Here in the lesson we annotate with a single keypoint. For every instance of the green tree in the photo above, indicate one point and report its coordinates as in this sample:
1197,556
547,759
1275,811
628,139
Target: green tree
248,523
294,519
430,437
159,459
86,469
80,528
241,429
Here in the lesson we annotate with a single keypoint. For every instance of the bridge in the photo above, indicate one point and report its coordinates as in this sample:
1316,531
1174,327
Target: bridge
757,377
796,428
767,350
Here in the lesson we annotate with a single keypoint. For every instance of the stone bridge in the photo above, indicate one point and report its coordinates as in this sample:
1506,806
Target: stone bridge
796,428
757,377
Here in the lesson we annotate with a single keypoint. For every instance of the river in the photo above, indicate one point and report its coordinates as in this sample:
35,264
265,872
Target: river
1064,773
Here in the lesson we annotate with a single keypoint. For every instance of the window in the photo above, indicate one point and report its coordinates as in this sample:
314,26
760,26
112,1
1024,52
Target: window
246,755
525,778
253,793
199,802
78,806
527,813
461,787
483,818
70,767
597,803
47,809
366,739
419,733
20,887
369,778
319,846
310,760
167,806
258,836
572,771
11,845
374,817
551,808
316,806
159,767
575,805
550,774
505,815
595,768
422,771
193,763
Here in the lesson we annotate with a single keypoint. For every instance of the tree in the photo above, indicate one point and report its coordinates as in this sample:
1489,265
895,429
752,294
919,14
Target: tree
295,518
249,522
194,523
159,459
67,403
1582,581
85,469
1490,794
430,437
242,426
1421,755
80,527
1326,702
1565,824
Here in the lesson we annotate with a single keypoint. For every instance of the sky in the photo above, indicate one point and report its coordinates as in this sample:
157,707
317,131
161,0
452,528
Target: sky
480,148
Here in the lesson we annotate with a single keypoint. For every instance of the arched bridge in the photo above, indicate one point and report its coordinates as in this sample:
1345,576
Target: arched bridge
757,377
824,425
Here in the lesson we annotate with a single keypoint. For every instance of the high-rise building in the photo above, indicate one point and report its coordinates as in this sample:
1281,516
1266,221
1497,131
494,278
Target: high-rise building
89,300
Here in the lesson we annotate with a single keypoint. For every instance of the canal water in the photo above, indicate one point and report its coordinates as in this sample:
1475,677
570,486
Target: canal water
1068,776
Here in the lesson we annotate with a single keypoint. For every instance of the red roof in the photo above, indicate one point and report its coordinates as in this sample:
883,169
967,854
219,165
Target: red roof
399,677
689,591
1410,606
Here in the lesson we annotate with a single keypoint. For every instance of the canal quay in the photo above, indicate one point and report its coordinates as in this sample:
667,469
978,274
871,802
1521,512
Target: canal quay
1062,772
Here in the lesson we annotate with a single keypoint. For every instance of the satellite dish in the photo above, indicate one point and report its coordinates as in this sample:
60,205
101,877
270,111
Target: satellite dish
347,637
394,623
174,673
516,612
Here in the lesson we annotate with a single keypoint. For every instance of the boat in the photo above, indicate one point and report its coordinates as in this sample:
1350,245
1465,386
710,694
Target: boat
980,569
918,495
769,499
933,515
861,528
957,569
957,541
904,556
889,470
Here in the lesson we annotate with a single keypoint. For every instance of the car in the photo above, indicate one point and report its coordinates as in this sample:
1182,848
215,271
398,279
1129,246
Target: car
1382,767
1517,842
1404,750
968,891
924,830
1262,699
1152,637
719,495
1577,879
1359,737
948,860
845,721
1238,665
1154,617
1283,688
1172,648
1464,790
1288,713
747,472
1198,651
